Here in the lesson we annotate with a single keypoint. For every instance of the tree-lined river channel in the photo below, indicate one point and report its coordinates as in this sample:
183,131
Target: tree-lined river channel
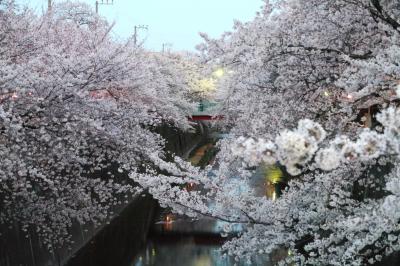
200,133
175,240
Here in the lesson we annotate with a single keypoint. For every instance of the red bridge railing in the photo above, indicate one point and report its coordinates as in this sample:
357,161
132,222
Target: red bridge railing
205,117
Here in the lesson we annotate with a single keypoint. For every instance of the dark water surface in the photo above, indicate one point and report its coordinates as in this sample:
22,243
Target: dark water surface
187,251
178,240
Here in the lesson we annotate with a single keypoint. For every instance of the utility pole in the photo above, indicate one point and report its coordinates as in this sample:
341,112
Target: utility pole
107,2
49,5
165,45
135,33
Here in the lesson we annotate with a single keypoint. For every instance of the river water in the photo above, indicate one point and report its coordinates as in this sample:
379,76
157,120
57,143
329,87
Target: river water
177,240
180,241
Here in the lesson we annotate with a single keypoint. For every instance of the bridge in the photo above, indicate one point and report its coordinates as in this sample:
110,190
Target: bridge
205,117
205,112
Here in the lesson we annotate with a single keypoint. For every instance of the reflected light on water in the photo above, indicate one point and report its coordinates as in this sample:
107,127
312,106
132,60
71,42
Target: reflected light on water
190,186
188,253
167,225
273,175
270,192
203,260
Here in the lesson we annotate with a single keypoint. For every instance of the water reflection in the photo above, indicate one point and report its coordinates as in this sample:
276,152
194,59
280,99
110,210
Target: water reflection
266,182
187,252
179,240
170,223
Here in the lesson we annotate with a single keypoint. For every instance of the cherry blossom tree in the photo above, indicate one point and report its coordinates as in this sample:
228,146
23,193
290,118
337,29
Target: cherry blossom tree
300,54
74,105
299,73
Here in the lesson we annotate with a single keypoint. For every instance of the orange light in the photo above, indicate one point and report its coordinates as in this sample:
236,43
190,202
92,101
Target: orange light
274,195
168,223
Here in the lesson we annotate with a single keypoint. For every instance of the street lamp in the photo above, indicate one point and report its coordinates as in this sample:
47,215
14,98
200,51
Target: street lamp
135,34
107,2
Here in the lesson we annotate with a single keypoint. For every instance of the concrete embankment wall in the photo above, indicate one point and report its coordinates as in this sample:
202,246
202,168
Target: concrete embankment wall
118,242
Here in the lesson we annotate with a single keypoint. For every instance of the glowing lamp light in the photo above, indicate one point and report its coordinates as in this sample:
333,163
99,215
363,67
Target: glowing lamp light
219,72
326,94
349,96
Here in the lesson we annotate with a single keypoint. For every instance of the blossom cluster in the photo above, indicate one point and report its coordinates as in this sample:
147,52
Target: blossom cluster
297,148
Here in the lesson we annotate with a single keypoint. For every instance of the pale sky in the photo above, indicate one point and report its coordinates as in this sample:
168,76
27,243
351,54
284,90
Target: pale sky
171,21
